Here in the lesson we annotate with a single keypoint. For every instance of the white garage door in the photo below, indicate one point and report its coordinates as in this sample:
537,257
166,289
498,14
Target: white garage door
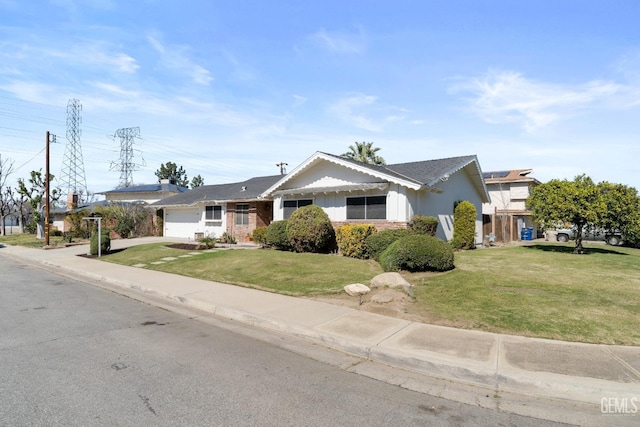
182,222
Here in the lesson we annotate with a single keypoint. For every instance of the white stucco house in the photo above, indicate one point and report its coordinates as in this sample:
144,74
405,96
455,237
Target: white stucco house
349,192
385,196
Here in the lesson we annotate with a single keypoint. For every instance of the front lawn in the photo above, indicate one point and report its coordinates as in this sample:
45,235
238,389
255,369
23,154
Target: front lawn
540,290
283,272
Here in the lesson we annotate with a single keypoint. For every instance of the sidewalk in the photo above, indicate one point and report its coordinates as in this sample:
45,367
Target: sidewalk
493,365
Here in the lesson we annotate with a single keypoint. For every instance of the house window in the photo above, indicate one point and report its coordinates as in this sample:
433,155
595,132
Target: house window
242,214
213,213
370,207
291,205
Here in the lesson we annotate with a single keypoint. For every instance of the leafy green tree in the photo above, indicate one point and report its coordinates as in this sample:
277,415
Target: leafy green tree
173,173
197,181
579,202
365,153
35,192
622,210
6,200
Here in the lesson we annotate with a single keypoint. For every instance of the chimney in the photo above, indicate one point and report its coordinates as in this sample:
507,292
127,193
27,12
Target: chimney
164,181
72,201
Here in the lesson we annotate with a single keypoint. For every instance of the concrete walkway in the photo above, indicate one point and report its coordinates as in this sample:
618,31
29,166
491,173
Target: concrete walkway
600,381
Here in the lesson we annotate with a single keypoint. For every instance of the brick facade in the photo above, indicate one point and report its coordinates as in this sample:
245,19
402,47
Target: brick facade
260,215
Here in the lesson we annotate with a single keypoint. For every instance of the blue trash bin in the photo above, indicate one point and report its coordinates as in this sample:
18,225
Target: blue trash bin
526,233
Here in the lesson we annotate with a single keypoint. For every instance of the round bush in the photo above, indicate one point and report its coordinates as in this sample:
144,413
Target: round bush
276,235
309,230
260,235
417,253
378,242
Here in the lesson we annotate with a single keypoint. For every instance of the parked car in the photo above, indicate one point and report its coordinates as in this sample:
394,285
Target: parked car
611,238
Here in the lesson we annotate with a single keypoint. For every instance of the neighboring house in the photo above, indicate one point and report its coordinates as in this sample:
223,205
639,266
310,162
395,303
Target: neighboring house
147,193
385,196
212,210
506,215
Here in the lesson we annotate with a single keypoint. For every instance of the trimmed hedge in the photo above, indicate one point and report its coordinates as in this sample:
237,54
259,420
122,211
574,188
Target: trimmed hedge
309,229
422,224
105,242
351,239
464,225
378,242
417,252
276,235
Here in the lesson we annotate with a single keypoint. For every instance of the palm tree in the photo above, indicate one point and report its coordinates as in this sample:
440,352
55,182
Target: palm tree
365,153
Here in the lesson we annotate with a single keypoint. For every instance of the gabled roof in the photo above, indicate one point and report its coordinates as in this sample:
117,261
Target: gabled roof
250,189
416,175
148,188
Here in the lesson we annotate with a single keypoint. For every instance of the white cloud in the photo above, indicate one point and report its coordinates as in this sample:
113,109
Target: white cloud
340,42
504,97
346,110
176,58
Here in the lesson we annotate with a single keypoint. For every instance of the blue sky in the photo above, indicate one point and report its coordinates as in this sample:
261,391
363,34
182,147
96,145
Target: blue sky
229,89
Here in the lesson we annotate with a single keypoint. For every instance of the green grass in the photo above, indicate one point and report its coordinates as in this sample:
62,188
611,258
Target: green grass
29,240
539,290
283,272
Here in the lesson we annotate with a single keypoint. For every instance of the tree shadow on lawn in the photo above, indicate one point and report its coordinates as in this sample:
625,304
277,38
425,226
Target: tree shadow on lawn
569,249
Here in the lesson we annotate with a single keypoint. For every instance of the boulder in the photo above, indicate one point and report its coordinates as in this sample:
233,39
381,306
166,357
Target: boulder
391,280
356,289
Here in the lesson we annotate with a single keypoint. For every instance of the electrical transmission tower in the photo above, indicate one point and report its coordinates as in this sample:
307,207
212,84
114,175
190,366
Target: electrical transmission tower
72,177
125,164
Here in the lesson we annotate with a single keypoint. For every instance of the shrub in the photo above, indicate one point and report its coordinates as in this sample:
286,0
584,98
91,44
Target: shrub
105,242
260,236
378,242
276,235
464,225
208,242
417,252
228,238
351,240
422,224
309,230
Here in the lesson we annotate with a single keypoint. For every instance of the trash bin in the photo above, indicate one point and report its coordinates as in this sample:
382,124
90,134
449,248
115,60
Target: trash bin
526,233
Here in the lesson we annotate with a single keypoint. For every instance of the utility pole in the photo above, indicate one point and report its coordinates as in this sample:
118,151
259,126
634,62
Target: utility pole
50,138
282,165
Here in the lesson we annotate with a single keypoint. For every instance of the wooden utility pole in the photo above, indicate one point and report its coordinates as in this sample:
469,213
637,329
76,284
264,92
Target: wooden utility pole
46,190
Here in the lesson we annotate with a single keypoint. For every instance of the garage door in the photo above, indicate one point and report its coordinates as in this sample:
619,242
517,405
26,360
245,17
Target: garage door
182,222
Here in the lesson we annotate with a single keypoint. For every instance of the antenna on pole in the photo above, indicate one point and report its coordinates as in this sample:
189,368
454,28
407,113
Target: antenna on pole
283,169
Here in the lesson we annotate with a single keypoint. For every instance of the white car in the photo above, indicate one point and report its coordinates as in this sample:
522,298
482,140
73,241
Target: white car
611,238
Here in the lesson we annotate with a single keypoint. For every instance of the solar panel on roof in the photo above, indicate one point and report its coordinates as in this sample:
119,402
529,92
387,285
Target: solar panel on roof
500,174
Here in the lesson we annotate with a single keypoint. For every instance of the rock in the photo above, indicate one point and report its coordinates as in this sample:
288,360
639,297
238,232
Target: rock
382,298
391,280
356,289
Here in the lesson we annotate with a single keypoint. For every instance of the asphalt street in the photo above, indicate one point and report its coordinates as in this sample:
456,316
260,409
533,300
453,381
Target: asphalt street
75,354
